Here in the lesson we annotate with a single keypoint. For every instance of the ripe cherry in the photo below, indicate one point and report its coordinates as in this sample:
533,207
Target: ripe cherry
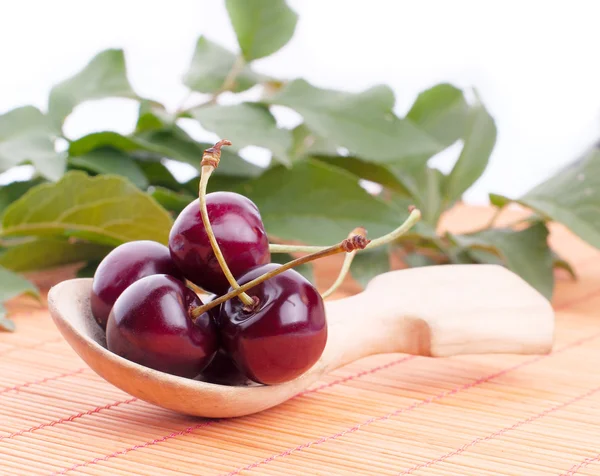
122,267
223,371
239,230
150,324
283,335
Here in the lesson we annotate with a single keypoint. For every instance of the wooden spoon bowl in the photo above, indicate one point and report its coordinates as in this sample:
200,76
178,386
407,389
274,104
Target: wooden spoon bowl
435,311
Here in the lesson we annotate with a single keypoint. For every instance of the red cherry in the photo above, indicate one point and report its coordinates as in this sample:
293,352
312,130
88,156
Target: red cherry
122,267
239,230
223,371
150,324
283,336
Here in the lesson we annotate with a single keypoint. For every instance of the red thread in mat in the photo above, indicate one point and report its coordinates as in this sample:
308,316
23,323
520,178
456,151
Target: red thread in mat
133,448
407,409
64,420
358,375
322,440
33,346
491,436
126,402
337,435
576,467
41,381
203,424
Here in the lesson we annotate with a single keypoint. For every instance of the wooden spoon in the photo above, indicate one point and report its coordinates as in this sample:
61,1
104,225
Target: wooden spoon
435,311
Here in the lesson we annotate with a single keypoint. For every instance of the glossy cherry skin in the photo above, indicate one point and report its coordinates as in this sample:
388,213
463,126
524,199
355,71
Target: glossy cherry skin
239,230
122,267
283,336
223,371
150,324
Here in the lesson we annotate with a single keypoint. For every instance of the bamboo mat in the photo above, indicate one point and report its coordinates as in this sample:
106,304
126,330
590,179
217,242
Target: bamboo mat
384,415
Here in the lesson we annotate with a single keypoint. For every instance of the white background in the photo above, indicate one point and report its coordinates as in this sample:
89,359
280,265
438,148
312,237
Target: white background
535,63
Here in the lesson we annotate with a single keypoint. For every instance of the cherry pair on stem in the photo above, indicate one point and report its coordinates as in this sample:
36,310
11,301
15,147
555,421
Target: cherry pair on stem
270,323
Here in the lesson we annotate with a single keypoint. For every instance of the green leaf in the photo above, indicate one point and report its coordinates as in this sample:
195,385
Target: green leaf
559,262
98,140
246,124
5,323
318,204
442,112
479,141
177,145
424,184
572,197
104,76
210,66
498,200
103,209
485,257
524,252
306,143
157,174
262,26
412,179
36,148
22,120
111,161
173,144
13,191
26,136
12,285
363,123
172,201
418,260
50,252
218,183
370,263
153,116
89,270
369,171
138,145
305,269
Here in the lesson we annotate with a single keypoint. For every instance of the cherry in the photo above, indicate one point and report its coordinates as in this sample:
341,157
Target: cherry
283,335
151,324
122,267
239,230
223,371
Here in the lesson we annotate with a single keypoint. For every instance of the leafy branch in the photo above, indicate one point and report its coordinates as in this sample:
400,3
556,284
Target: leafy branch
108,188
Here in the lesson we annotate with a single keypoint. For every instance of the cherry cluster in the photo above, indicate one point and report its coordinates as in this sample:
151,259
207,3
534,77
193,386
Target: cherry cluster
264,323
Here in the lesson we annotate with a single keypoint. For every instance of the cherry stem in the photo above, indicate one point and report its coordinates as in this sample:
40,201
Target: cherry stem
210,161
197,289
346,265
414,217
349,245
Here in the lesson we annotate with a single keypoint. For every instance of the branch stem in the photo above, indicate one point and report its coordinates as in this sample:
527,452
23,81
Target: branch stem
228,85
229,81
494,217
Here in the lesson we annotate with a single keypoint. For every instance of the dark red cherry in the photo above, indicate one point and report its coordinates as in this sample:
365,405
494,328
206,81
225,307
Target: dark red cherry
283,336
223,371
150,324
239,230
122,267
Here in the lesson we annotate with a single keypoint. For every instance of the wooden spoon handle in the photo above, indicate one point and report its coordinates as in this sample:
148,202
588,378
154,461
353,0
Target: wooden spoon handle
440,311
